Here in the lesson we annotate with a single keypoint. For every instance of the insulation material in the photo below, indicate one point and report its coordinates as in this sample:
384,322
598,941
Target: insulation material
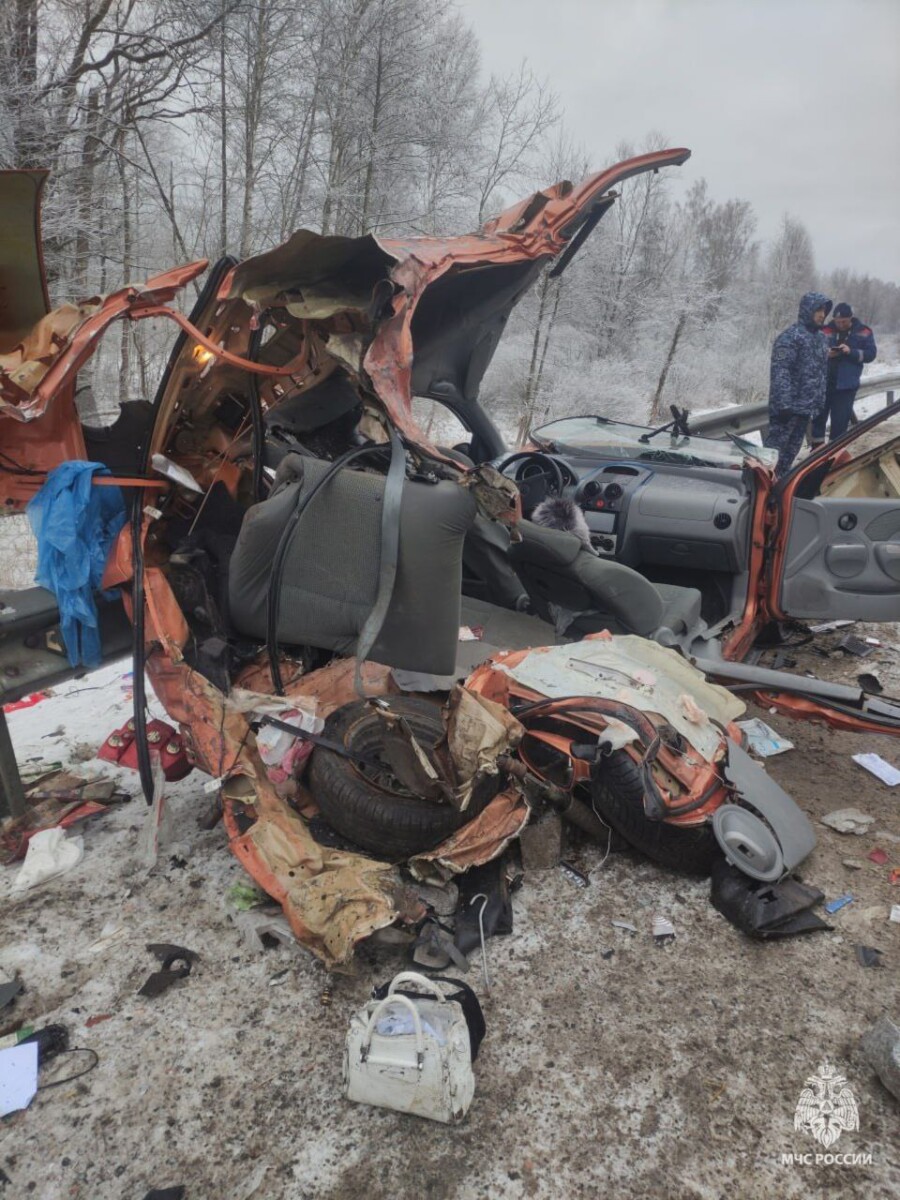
478,730
639,673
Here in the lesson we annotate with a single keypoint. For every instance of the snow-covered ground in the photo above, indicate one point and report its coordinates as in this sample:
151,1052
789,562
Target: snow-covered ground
611,1066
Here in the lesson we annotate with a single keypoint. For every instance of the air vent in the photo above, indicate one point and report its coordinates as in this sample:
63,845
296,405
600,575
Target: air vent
613,491
591,489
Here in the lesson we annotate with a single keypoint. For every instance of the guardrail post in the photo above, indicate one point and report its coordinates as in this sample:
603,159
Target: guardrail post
12,794
889,399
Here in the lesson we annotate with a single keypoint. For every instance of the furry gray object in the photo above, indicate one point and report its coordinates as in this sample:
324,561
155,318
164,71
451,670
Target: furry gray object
559,513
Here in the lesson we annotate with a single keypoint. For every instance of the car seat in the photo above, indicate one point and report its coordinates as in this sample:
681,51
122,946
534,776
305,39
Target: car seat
557,570
330,576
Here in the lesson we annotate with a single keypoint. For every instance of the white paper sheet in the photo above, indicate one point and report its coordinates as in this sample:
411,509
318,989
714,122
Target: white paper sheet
18,1077
763,739
878,767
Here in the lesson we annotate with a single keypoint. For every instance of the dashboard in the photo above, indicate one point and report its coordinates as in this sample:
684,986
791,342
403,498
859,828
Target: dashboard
664,515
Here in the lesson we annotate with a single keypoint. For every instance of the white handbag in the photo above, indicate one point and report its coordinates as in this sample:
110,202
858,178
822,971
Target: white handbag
412,1054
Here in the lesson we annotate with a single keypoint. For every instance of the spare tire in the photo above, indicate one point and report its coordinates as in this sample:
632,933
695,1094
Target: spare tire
381,815
617,792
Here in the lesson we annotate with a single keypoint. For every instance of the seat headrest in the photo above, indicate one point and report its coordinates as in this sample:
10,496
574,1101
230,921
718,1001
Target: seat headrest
543,547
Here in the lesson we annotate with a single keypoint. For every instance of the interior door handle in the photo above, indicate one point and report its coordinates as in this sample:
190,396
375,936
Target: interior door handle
887,555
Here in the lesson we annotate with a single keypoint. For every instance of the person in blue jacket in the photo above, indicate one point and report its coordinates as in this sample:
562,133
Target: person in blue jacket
850,345
797,379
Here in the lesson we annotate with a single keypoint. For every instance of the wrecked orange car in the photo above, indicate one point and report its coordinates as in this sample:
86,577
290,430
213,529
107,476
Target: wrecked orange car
300,561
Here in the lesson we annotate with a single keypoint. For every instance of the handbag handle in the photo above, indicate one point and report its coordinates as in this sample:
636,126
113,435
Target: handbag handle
421,981
417,1024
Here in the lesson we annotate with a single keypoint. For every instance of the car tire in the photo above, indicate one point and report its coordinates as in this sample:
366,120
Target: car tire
390,823
617,792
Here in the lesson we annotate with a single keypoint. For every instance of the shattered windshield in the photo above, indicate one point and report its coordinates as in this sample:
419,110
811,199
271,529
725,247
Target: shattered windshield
599,436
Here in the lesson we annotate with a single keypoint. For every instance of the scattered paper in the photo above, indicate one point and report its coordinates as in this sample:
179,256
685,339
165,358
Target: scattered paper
848,820
663,930
895,913
50,853
471,633
18,1077
164,466
878,856
828,626
875,764
763,739
834,906
626,925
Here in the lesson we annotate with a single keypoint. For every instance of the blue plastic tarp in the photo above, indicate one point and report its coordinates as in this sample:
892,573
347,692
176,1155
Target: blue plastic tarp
75,524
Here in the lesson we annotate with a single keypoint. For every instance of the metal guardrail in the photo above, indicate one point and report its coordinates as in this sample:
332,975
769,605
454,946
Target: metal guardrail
748,418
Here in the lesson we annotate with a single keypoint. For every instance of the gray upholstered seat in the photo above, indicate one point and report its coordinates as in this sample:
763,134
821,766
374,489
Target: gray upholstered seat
557,570
330,578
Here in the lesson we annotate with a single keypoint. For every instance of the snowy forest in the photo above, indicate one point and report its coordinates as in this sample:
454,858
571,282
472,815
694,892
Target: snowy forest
180,129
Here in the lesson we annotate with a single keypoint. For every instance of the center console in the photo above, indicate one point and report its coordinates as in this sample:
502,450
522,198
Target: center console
604,496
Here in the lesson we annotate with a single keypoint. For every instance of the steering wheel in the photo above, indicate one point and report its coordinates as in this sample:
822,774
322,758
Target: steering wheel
543,479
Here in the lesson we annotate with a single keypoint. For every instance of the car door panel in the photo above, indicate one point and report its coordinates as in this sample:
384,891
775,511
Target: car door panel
842,559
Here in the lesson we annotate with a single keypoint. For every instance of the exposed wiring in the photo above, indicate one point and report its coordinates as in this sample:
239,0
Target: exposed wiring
17,468
95,1060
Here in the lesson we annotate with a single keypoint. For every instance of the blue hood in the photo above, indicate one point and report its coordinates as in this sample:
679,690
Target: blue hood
808,305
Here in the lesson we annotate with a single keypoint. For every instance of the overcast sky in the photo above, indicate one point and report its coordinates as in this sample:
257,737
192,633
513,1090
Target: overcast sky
793,105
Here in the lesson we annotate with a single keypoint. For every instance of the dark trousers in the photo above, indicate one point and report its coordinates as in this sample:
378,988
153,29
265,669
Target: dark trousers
786,431
839,406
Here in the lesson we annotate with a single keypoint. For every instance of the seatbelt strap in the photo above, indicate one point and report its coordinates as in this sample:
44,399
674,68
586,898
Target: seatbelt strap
388,558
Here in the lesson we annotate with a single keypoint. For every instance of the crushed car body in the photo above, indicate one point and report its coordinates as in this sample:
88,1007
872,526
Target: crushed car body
299,557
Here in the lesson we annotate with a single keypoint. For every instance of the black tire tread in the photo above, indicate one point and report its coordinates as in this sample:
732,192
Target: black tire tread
379,821
618,797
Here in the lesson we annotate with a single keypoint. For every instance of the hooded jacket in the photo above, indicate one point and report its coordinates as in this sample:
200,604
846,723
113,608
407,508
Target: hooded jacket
861,341
800,363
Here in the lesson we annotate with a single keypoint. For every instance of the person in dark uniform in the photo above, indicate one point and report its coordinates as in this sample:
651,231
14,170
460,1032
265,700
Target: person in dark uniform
850,346
797,379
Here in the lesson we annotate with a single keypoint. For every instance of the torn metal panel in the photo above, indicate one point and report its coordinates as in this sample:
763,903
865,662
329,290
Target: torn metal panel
638,673
331,898
28,386
482,840
330,687
315,274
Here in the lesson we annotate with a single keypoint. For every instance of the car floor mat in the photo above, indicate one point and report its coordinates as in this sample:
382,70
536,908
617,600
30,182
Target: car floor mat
765,910
490,881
